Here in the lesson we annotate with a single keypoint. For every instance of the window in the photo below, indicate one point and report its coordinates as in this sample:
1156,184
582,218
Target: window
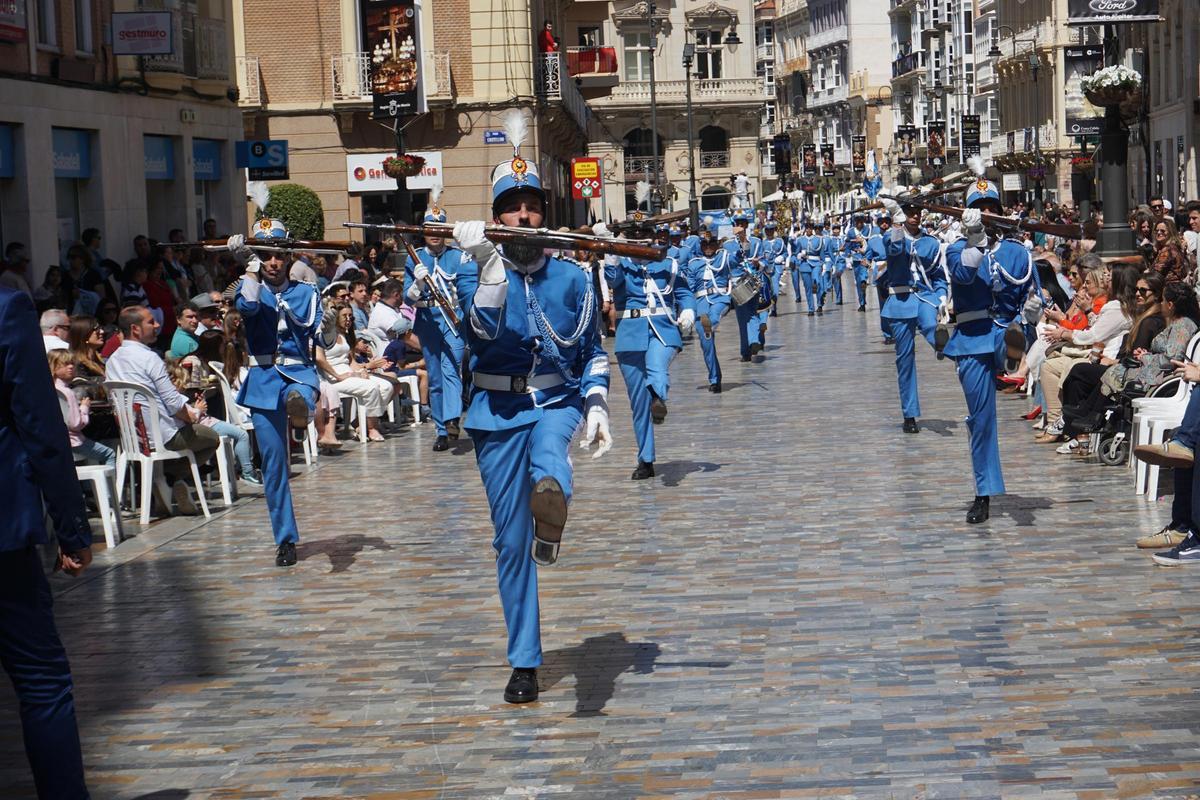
713,139
637,56
708,54
715,198
47,23
589,36
83,26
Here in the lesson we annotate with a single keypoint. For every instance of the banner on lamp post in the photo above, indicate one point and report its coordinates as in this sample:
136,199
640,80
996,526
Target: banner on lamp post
809,165
827,166
391,39
935,143
906,145
858,154
1083,118
969,136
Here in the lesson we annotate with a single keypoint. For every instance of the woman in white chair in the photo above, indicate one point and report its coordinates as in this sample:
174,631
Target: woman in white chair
337,366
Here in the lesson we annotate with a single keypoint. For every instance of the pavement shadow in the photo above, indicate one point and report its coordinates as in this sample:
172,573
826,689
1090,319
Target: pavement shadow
342,551
673,472
1020,509
165,794
726,386
942,427
596,663
462,446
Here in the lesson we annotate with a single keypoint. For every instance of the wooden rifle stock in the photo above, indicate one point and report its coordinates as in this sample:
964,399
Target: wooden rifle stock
439,298
1004,223
536,238
901,199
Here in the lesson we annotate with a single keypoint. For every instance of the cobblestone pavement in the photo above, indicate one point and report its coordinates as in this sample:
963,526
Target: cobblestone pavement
793,608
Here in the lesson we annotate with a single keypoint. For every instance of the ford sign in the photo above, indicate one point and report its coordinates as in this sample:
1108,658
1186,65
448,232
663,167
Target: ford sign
1094,12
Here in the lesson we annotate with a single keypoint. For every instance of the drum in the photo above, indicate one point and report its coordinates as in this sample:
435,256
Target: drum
745,288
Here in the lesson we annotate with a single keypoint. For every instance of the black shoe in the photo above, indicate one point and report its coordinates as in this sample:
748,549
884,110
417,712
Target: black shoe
441,443
979,510
644,470
941,337
549,508
453,430
745,359
285,554
839,302
911,426
755,349
888,340
812,313
297,409
658,410
821,312
715,388
862,308
522,686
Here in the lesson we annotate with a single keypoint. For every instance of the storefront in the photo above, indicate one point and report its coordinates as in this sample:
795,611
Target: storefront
206,169
377,192
72,150
166,206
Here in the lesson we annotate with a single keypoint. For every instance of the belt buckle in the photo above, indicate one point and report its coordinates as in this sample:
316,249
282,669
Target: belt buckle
520,383
634,313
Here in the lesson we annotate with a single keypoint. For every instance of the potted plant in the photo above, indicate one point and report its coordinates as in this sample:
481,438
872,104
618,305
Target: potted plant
403,166
1112,86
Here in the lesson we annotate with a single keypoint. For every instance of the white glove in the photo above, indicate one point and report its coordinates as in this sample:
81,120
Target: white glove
972,222
470,236
897,213
597,432
420,271
686,321
601,230
236,242
778,259
252,267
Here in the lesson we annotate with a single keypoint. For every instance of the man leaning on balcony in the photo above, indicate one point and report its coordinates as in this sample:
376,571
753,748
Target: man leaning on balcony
546,42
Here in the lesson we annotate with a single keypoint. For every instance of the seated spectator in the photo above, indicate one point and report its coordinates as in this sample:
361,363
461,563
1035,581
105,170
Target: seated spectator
84,340
83,285
75,411
180,375
161,298
390,317
1170,260
133,292
1103,337
55,324
208,309
198,261
406,358
360,304
135,362
184,341
50,293
106,317
355,380
16,263
349,262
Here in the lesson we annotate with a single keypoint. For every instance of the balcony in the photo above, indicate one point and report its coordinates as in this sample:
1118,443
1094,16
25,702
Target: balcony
743,90
249,82
797,64
830,36
638,166
583,61
907,64
766,130
902,6
350,74
714,159
438,83
765,52
550,86
201,53
830,96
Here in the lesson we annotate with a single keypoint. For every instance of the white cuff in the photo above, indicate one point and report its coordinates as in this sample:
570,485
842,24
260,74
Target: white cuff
251,290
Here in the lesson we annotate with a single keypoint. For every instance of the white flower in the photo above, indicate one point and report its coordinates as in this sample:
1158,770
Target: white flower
1116,77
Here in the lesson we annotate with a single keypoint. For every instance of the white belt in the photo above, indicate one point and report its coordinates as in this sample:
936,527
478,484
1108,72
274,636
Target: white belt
971,316
282,361
899,289
522,384
634,313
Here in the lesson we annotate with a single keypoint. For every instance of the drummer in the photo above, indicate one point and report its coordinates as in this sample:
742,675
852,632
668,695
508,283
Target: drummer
745,261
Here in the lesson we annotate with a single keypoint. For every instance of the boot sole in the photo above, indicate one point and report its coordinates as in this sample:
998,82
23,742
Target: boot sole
549,508
297,411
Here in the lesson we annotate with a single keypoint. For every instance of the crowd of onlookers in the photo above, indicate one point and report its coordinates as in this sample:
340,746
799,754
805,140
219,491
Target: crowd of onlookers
166,319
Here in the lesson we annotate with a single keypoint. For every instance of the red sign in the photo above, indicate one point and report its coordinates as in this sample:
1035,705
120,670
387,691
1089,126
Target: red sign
586,180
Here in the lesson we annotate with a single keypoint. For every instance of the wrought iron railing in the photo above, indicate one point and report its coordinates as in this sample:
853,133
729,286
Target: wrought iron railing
249,81
714,159
636,166
350,74
549,84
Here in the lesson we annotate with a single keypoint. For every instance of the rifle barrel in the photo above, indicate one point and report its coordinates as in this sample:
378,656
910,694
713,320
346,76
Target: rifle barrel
594,244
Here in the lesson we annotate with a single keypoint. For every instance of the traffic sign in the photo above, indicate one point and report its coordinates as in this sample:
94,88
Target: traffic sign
586,181
266,159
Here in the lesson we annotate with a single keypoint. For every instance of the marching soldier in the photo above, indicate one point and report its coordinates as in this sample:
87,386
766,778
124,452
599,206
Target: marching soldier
903,307
709,275
774,257
281,318
805,266
745,258
455,276
654,306
856,245
538,371
876,257
838,257
991,279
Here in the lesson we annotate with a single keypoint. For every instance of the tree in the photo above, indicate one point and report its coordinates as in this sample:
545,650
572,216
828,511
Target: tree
299,208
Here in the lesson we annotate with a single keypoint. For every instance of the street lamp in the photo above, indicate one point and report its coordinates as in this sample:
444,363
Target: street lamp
655,197
1034,65
731,42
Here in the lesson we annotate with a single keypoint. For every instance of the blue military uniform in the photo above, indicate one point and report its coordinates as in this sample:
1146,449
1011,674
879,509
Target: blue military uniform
442,343
876,257
806,262
774,255
746,258
535,357
902,312
837,262
281,325
856,243
990,285
709,279
650,298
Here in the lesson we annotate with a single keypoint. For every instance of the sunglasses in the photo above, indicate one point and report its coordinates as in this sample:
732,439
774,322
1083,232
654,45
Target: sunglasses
1143,290
1156,208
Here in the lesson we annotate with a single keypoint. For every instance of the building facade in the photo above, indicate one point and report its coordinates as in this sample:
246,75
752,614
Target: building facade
126,144
792,79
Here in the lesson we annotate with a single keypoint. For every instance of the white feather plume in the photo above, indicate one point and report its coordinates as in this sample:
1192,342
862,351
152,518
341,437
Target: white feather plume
975,164
435,194
708,221
259,193
642,192
516,126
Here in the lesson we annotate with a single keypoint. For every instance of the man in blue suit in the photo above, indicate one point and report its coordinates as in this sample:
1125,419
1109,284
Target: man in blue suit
442,344
36,471
806,261
281,318
654,304
537,371
774,257
708,275
745,258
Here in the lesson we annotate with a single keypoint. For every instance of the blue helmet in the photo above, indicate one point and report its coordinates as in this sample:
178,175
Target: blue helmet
770,226
515,175
267,228
741,216
982,189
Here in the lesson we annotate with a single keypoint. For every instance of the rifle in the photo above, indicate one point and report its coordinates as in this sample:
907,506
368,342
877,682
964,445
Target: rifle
671,216
538,237
937,188
267,245
439,298
1003,223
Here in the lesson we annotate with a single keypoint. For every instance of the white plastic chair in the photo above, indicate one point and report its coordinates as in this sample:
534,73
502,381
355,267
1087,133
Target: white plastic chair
351,407
1154,415
102,476
124,396
413,388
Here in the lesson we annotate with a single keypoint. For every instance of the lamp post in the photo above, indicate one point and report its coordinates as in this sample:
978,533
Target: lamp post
936,93
1034,66
689,53
1116,238
655,197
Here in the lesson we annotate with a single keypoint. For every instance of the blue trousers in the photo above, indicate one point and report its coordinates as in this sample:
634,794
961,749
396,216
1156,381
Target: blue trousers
646,372
748,321
860,282
510,462
443,362
904,332
804,284
1187,488
271,430
715,307
927,311
824,278
977,375
776,278
839,266
34,658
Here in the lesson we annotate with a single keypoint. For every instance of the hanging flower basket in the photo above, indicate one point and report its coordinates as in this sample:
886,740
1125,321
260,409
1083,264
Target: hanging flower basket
1112,86
403,166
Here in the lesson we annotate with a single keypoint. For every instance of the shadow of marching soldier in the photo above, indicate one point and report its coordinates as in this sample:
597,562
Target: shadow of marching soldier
596,663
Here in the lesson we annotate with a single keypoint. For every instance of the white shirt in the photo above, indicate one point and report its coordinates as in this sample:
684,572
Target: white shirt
383,319
54,343
134,362
1109,328
14,281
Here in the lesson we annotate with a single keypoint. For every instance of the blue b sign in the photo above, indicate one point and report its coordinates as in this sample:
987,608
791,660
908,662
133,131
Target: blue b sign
266,159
